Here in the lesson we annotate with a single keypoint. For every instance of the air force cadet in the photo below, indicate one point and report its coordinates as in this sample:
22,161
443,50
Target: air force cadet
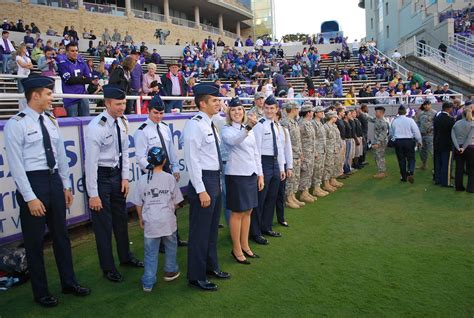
39,166
204,163
107,172
154,132
273,166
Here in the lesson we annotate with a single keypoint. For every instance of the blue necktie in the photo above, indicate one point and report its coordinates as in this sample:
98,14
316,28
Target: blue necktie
275,146
119,137
48,149
218,148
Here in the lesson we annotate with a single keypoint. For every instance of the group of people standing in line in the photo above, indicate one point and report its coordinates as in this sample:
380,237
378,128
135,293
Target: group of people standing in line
271,156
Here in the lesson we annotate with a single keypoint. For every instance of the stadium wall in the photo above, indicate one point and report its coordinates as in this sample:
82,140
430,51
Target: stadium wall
139,29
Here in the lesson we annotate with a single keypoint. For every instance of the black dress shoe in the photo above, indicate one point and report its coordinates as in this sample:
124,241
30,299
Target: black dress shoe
272,233
203,284
221,226
261,240
461,189
47,301
113,276
244,262
133,262
182,243
248,255
219,274
284,223
77,290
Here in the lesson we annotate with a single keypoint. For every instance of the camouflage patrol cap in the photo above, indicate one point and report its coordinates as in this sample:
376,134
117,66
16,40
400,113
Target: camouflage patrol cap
330,114
307,107
290,105
318,109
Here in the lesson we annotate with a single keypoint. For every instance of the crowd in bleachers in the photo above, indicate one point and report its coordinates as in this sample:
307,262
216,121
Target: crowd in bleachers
463,20
261,67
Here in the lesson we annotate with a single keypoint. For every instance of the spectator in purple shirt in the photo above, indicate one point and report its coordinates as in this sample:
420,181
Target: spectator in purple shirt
5,25
75,74
361,73
249,41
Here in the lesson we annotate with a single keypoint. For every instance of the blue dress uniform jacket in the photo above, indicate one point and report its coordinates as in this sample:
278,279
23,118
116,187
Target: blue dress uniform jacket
26,156
202,159
147,136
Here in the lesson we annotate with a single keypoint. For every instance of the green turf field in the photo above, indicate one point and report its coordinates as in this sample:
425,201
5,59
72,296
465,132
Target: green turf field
374,248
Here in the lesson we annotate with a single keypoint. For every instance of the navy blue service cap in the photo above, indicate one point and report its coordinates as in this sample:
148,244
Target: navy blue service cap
157,103
206,89
234,102
271,100
37,81
114,92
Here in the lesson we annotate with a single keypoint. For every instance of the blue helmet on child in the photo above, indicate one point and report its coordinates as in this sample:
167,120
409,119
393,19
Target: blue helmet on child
156,156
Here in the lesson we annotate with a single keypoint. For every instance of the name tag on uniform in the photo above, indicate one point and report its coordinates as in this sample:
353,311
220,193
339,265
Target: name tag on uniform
32,133
209,134
108,136
268,133
153,138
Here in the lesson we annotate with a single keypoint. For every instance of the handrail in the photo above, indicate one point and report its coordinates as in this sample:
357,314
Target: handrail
454,64
400,69
462,44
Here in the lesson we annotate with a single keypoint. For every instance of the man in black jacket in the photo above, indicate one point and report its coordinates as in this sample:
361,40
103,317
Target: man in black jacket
173,84
364,122
443,145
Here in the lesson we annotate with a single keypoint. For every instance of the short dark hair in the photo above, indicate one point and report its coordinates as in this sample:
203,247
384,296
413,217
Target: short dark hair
5,32
402,111
199,98
72,44
29,93
447,105
48,49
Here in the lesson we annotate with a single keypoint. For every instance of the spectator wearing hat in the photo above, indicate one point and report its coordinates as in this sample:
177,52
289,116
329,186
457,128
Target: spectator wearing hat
6,50
443,145
174,84
406,135
243,177
75,74
257,109
204,163
107,173
157,217
39,167
462,136
272,158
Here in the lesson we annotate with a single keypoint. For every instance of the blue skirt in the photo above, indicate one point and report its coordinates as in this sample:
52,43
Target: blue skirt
241,193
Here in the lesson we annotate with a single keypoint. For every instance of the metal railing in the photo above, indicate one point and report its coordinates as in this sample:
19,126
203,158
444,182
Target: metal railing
397,67
230,34
149,15
183,22
105,9
65,4
211,29
456,66
462,44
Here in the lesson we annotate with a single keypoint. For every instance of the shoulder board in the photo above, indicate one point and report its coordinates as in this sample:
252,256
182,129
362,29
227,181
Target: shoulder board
262,120
125,123
51,117
197,117
142,126
19,116
103,120
164,123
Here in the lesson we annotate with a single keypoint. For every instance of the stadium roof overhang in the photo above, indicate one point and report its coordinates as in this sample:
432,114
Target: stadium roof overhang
210,9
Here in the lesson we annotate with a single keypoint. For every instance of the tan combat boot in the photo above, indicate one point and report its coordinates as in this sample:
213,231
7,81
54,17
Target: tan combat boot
305,197
290,204
336,183
294,199
380,175
319,192
328,187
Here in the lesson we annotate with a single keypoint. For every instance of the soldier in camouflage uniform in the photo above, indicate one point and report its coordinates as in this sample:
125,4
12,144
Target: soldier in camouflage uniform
333,148
319,153
292,184
425,123
380,141
257,109
307,141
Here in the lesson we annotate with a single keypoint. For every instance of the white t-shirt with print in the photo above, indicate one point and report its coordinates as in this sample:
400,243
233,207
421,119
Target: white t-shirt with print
158,198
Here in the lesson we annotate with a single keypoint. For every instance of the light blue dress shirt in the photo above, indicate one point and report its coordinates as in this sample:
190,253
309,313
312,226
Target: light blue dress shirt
404,127
264,139
243,156
25,149
102,148
200,151
148,137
